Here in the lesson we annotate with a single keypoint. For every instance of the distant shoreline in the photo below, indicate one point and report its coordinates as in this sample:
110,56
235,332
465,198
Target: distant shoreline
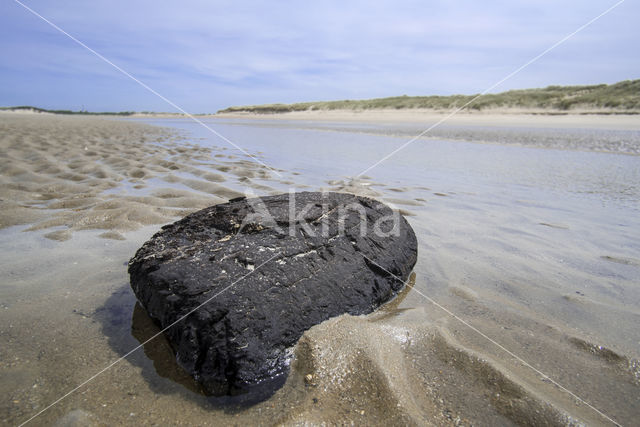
622,98
36,110
424,117
494,118
346,113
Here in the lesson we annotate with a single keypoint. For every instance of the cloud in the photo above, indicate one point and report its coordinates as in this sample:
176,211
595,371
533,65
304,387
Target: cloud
208,55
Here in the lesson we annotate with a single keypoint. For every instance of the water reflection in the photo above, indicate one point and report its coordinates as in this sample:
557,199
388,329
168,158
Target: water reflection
159,351
127,325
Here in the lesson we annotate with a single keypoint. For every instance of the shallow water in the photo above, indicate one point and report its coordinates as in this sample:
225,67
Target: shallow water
528,274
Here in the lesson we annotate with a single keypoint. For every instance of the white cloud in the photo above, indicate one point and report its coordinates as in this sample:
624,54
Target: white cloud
239,52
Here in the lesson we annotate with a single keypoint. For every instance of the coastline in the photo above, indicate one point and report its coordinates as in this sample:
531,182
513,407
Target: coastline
603,133
511,117
498,117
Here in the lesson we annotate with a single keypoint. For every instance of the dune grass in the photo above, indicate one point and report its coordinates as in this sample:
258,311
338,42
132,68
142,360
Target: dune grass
619,97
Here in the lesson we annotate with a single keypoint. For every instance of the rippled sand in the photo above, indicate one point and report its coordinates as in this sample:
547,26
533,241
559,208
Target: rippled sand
499,299
62,174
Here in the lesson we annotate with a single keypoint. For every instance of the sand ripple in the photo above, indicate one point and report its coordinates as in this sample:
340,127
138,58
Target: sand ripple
74,173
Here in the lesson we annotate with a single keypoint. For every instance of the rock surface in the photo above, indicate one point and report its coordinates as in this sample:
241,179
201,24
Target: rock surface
252,275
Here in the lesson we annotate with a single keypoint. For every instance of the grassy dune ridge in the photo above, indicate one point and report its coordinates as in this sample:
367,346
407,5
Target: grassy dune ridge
621,97
29,108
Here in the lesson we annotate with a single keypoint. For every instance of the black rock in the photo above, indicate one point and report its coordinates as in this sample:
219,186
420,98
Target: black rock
252,275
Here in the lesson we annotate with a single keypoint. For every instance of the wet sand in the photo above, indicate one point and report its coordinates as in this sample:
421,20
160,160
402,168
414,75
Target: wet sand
613,133
63,174
555,288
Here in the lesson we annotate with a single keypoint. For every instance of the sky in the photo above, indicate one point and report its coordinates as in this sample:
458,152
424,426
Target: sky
207,55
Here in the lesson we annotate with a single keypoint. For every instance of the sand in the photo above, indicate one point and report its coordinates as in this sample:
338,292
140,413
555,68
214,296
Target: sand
511,117
613,133
407,364
551,284
61,174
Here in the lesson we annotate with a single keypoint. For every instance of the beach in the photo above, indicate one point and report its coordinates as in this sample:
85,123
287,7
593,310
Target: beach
578,130
523,308
488,117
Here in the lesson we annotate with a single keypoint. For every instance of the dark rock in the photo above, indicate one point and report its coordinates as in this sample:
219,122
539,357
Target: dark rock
264,270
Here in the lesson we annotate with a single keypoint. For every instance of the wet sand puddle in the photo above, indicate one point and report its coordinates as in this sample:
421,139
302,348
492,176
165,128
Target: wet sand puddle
547,273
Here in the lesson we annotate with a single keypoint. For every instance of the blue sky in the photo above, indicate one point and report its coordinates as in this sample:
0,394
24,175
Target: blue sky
207,55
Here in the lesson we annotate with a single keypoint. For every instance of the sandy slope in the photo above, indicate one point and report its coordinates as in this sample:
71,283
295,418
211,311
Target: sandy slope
518,118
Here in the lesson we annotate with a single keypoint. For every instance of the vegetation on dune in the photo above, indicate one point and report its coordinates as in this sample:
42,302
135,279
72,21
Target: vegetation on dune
42,110
619,97
622,97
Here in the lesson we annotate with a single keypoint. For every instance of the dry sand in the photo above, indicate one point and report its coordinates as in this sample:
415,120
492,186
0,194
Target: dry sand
511,117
